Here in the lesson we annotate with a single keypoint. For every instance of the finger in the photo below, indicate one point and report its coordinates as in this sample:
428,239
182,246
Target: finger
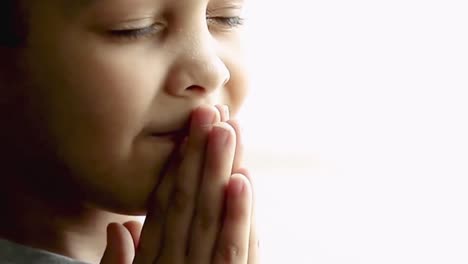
233,242
150,239
224,112
253,255
150,244
120,248
183,197
134,227
208,216
239,156
254,242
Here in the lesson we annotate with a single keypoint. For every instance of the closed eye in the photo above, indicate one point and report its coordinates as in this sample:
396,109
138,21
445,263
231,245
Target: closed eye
136,33
228,21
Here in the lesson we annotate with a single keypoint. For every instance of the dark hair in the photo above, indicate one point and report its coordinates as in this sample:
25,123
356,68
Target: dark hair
12,30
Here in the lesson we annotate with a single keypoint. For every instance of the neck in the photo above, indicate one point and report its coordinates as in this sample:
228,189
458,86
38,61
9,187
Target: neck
76,231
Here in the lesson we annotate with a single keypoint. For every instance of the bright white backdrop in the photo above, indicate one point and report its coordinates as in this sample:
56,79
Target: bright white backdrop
357,130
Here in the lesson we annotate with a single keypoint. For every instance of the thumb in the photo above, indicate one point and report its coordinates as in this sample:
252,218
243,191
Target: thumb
120,248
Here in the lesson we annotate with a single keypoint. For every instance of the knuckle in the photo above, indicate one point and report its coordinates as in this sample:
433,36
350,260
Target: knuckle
228,253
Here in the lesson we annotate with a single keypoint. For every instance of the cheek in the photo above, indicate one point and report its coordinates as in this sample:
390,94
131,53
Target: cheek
232,54
106,91
95,103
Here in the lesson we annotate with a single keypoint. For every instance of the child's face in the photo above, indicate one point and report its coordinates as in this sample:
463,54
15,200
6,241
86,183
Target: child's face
109,73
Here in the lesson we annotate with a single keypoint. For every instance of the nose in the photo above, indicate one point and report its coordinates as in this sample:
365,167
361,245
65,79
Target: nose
197,69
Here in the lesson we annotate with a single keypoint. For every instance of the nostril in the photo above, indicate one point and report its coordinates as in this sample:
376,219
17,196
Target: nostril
195,89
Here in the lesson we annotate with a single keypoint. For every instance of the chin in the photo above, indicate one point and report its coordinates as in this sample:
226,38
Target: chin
127,200
119,206
118,181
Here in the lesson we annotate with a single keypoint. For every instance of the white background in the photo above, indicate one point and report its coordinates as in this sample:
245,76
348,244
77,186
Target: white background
357,130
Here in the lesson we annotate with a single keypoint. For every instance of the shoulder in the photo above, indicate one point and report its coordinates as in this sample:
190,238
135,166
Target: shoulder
12,253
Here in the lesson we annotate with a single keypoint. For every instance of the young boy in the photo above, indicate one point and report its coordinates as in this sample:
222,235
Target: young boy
113,109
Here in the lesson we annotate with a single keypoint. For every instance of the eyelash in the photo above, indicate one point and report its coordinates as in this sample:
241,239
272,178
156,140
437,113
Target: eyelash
230,22
136,33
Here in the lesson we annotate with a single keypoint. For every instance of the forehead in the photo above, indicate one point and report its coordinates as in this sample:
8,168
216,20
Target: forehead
76,7
73,6
87,3
78,3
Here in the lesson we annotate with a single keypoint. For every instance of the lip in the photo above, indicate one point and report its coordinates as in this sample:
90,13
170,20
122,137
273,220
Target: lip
173,135
176,128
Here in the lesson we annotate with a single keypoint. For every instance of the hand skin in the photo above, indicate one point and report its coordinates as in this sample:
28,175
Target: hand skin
214,223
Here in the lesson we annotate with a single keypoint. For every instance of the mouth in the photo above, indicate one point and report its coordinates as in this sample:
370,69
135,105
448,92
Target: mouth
175,135
174,131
